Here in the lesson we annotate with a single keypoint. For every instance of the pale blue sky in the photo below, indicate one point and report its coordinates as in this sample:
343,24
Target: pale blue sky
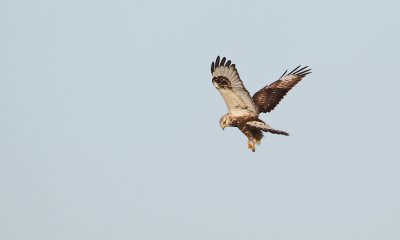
109,126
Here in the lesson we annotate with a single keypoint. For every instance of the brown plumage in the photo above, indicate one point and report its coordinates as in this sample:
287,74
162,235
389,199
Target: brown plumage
269,96
244,110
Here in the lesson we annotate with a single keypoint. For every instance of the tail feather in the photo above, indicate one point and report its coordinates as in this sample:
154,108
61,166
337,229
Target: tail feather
266,128
275,131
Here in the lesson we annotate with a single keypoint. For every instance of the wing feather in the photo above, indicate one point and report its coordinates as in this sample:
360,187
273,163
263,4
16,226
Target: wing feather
267,98
227,81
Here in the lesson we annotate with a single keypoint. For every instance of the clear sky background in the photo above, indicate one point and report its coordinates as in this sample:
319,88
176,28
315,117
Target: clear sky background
109,121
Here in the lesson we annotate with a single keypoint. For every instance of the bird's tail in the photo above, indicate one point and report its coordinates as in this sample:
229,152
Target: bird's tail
266,128
276,131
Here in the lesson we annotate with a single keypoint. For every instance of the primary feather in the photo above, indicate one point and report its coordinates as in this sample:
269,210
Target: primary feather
267,98
227,80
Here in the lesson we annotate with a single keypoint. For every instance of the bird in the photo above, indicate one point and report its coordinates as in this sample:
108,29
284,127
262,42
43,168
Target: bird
243,110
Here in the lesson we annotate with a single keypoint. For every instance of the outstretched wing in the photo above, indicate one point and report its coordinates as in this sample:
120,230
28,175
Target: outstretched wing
268,97
226,79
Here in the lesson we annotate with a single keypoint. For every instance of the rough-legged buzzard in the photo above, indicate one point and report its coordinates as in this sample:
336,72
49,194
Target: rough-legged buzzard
243,109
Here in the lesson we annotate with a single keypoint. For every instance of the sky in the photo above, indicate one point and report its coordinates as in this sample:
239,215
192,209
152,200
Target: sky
110,123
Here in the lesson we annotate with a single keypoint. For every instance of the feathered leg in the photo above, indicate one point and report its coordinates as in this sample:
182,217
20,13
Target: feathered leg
254,136
251,144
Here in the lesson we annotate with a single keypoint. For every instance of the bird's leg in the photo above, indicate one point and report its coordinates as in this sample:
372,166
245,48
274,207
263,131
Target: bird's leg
251,144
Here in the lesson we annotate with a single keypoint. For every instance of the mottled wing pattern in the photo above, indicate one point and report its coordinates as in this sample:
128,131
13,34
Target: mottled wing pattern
265,127
268,97
227,81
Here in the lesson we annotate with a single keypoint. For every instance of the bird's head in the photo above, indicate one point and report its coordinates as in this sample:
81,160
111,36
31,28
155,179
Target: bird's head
225,121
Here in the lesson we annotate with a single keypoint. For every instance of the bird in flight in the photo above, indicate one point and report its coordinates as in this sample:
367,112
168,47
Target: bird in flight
243,110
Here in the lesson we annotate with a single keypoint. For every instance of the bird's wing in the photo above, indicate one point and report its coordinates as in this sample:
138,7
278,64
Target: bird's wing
265,127
226,79
269,96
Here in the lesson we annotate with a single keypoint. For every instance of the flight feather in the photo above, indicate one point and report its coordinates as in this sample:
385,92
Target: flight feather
267,98
227,81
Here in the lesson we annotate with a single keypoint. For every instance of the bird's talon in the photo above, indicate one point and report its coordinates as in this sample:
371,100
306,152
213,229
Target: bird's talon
251,144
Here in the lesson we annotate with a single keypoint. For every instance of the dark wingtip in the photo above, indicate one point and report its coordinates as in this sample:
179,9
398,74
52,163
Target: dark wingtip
303,71
283,74
294,70
299,70
222,63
